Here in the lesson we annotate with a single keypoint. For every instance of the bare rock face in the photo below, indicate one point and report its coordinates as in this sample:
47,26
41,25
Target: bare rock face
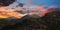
6,2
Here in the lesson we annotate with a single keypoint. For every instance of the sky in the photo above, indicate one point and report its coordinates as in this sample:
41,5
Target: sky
45,3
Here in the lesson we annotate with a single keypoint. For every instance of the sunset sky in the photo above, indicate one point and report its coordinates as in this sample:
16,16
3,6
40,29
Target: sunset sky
45,3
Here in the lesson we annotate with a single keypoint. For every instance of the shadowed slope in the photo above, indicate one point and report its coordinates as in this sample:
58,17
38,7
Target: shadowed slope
51,21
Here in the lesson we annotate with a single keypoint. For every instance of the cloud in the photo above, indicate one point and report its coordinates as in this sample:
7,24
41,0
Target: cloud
23,1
